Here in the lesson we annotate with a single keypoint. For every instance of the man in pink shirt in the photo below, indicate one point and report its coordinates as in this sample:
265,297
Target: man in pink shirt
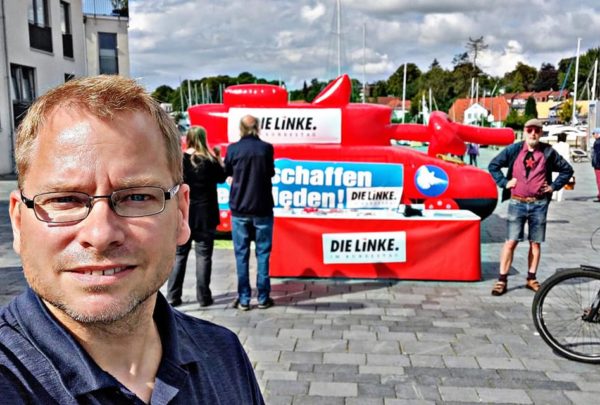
528,185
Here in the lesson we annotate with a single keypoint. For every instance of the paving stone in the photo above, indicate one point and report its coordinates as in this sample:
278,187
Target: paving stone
388,359
321,345
417,360
333,389
376,390
385,370
500,363
459,394
427,348
548,397
344,358
312,376
364,401
270,374
278,387
501,395
460,362
582,398
317,400
301,357
375,347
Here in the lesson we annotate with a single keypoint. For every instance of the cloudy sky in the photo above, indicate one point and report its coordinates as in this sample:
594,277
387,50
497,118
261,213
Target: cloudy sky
297,40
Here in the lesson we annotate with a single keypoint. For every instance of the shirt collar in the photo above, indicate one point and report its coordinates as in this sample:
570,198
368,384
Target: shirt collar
78,371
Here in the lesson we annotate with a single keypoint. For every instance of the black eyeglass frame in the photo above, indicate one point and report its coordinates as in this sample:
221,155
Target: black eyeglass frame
168,194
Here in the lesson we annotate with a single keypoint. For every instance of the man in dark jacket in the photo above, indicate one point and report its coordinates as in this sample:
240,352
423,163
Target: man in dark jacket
250,163
529,186
596,159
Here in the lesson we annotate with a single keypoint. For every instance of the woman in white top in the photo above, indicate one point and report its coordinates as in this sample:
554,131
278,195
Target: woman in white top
563,148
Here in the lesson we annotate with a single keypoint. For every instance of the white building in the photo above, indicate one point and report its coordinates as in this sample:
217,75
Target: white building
475,114
47,42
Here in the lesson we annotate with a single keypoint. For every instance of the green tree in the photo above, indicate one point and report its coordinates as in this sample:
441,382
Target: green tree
439,81
520,79
379,89
514,120
565,112
395,81
474,47
547,78
530,108
163,93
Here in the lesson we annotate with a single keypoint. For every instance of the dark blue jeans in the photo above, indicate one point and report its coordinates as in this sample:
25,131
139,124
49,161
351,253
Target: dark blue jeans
203,246
243,231
533,214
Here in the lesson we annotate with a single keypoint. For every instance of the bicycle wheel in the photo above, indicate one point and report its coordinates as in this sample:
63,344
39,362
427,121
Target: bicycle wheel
559,309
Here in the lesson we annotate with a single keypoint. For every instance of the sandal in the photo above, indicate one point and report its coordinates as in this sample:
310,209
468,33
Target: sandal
499,288
533,285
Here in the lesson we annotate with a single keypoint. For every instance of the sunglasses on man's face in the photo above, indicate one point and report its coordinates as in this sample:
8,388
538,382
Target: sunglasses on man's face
533,130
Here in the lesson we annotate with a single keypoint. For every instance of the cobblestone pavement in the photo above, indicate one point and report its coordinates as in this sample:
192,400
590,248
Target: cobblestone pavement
390,342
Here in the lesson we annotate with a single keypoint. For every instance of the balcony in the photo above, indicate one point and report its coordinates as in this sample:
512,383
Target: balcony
106,8
40,37
67,41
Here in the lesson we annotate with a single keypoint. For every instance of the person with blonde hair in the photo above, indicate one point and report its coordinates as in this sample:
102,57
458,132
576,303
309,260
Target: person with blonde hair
202,170
99,211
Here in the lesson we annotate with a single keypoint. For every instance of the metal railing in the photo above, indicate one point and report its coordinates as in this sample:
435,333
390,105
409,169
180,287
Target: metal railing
40,37
104,7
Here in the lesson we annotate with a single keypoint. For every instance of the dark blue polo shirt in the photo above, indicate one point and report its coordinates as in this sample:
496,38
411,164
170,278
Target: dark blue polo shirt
41,363
249,162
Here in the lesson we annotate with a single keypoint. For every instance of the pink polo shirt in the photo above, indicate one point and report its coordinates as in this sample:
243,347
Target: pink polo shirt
530,171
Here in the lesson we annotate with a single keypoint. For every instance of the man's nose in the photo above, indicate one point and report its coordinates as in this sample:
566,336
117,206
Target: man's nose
102,228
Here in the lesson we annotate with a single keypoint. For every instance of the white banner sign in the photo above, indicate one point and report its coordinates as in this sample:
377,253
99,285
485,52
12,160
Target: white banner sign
364,247
290,125
373,197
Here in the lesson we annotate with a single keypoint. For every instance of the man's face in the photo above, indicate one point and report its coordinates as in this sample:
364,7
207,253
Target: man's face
532,136
66,264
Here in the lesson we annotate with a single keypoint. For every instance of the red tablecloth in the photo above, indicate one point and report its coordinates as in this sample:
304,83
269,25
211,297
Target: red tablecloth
441,245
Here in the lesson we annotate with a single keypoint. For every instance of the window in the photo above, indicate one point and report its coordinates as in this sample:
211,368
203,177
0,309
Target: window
65,27
38,12
69,76
23,90
109,60
65,17
40,33
23,85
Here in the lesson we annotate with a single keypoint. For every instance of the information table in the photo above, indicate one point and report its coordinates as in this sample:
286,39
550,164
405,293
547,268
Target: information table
439,245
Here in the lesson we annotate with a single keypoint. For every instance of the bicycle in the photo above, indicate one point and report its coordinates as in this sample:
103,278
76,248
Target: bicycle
566,312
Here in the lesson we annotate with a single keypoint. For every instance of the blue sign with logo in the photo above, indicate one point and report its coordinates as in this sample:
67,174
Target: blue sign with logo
431,180
301,183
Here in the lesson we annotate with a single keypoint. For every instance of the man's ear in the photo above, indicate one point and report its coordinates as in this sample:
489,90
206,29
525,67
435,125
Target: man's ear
183,210
14,211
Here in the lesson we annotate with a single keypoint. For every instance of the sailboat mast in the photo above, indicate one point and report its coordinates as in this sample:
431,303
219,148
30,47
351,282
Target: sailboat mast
364,92
574,117
404,93
339,37
594,81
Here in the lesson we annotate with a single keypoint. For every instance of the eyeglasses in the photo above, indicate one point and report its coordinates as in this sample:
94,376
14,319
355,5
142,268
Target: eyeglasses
533,130
74,206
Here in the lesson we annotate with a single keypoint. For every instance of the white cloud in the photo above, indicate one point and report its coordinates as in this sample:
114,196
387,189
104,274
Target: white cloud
443,28
311,14
293,40
497,63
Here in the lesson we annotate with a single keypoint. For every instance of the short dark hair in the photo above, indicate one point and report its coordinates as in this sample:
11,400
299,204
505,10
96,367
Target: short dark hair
562,137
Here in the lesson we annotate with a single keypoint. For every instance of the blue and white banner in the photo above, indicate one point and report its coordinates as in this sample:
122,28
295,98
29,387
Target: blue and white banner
302,183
